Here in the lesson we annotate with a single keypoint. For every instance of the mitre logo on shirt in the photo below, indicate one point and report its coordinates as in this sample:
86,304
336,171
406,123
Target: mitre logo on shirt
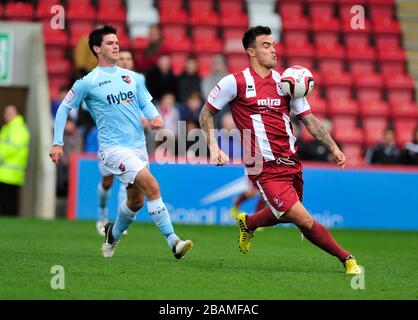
269,102
127,79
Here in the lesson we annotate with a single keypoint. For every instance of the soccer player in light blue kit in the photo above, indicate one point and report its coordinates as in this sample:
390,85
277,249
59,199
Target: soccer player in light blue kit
114,97
125,61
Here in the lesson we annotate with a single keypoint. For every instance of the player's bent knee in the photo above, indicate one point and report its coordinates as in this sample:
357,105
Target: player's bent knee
135,205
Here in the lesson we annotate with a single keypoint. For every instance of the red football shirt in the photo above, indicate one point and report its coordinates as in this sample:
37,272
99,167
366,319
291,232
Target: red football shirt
261,113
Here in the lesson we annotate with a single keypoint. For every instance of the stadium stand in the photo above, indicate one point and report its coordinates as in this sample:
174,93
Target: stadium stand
360,74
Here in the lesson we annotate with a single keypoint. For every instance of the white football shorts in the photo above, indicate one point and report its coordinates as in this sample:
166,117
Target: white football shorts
125,163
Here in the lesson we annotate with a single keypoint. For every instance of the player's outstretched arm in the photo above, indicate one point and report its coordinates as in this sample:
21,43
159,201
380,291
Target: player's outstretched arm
316,129
218,157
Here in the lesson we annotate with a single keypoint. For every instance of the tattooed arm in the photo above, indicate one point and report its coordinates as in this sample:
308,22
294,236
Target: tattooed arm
316,129
218,157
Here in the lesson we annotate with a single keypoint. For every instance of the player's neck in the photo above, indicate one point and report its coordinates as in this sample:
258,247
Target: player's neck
105,63
263,72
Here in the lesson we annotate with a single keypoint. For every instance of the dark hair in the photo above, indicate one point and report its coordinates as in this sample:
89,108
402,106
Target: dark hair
96,36
249,36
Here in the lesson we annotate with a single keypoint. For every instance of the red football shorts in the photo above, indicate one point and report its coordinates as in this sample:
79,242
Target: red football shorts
281,189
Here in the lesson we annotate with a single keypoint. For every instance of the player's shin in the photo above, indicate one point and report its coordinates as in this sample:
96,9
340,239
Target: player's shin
320,236
160,216
262,218
125,217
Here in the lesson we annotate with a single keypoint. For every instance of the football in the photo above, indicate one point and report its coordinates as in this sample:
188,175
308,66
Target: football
297,81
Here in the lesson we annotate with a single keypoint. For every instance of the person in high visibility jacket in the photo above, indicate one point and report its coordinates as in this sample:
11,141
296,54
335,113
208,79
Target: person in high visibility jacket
14,152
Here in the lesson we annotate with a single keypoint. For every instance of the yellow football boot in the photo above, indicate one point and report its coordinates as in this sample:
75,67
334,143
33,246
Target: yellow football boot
245,235
351,266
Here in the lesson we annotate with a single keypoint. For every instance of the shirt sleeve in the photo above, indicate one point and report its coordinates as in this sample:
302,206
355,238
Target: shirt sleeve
60,120
224,92
300,107
76,95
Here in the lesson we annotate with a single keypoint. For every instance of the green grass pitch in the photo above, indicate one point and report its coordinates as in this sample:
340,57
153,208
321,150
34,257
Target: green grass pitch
279,266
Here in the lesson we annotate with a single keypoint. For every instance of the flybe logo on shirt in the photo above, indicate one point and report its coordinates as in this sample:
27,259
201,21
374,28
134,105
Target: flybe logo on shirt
268,102
122,97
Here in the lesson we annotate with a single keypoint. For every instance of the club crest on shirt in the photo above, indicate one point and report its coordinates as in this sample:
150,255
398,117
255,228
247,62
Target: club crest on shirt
127,79
70,95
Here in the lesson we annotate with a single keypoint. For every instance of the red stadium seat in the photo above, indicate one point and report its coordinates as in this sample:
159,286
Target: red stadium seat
404,129
368,94
374,109
112,15
80,12
178,43
344,106
301,61
368,80
55,38
378,12
336,79
373,130
348,134
19,11
59,67
344,121
173,31
336,92
79,29
391,54
204,61
329,51
362,67
405,109
389,68
321,9
110,3
387,26
330,65
326,38
237,62
203,18
298,49
139,43
290,8
387,40
299,23
318,105
200,5
226,6
178,61
398,96
173,16
170,5
205,40
399,81
295,36
233,19
361,53
353,39
325,24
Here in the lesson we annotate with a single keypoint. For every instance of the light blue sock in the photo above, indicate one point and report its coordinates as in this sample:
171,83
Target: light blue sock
125,217
159,215
103,195
121,194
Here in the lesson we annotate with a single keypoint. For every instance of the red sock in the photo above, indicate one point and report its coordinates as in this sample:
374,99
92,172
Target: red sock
262,218
321,237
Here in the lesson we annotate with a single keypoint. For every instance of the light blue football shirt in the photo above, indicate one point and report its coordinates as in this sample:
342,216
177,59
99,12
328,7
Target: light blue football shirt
115,98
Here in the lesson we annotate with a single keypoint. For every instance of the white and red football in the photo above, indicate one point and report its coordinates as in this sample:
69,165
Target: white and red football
297,81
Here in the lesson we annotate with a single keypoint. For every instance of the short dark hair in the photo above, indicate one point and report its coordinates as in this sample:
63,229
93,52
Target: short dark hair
248,39
96,36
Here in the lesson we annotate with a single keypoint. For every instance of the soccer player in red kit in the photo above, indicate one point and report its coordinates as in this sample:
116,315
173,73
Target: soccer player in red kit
259,105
